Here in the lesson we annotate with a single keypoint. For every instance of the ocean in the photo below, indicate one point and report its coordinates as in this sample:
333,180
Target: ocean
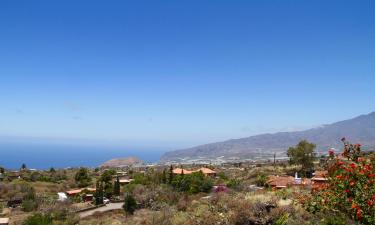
45,156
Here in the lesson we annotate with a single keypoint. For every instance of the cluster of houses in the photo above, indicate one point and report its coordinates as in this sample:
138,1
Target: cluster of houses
87,194
316,182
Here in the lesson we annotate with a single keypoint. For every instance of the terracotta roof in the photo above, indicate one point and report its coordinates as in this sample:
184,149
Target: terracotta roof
280,181
206,170
180,171
320,176
72,192
77,191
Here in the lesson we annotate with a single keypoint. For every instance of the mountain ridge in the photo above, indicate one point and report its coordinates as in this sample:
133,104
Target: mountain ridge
358,129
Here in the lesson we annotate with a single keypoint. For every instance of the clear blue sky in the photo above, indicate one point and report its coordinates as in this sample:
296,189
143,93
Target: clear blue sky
182,72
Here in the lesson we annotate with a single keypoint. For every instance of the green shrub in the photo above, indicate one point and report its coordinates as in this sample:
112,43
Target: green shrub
192,183
261,180
334,220
29,205
130,205
38,219
283,220
233,183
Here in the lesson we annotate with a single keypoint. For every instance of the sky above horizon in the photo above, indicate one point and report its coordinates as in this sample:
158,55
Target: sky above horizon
182,73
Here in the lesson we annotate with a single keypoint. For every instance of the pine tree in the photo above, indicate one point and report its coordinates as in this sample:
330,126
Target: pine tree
170,175
164,177
130,204
116,189
99,193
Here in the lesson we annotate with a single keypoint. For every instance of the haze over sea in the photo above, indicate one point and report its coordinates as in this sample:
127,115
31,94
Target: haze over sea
45,156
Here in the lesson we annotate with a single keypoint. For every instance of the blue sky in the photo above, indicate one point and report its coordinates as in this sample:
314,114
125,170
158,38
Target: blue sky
182,72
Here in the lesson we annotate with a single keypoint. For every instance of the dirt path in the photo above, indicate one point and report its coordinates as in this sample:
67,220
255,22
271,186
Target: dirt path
108,207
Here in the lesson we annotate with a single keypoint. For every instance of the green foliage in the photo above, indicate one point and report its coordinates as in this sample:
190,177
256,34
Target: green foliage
303,154
106,176
334,220
233,183
261,180
351,187
106,179
99,193
141,178
116,187
29,205
192,183
222,175
130,205
39,219
283,220
164,177
82,177
171,175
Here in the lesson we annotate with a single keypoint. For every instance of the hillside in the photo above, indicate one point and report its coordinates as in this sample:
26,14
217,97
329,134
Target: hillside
122,162
360,129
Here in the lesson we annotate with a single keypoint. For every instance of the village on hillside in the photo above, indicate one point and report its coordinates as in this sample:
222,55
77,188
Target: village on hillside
264,192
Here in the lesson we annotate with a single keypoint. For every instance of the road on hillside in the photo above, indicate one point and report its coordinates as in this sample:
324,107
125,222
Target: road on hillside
108,207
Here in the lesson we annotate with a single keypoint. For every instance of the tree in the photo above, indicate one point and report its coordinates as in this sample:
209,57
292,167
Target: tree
170,175
130,204
82,177
99,193
164,177
192,183
2,170
303,154
106,178
23,166
116,189
52,170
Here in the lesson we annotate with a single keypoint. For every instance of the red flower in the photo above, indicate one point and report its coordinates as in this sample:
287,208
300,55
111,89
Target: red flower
339,177
352,165
370,203
359,214
352,183
346,190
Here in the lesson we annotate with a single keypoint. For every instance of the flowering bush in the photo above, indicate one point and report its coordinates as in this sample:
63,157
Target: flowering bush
351,186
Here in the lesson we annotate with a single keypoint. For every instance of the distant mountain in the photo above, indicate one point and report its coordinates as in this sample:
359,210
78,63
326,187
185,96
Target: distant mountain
122,162
357,130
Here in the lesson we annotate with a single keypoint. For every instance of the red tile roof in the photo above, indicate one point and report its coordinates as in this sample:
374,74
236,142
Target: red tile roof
181,171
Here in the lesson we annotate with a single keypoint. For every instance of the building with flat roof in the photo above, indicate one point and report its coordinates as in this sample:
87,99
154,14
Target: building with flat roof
4,221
